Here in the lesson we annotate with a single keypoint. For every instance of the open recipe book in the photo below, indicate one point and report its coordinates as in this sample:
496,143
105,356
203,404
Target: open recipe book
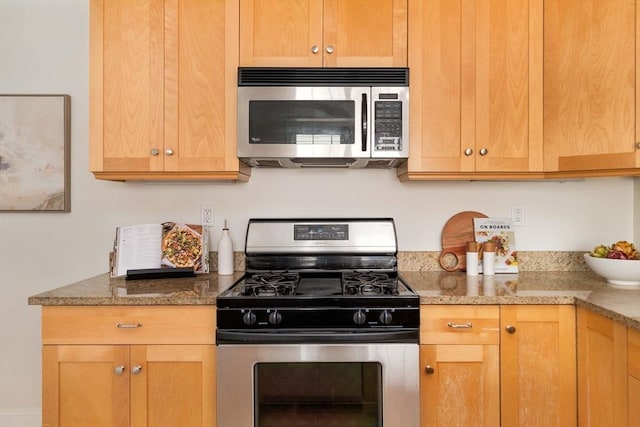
166,245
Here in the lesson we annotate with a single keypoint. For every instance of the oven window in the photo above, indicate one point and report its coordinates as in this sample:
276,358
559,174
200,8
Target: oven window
329,394
301,122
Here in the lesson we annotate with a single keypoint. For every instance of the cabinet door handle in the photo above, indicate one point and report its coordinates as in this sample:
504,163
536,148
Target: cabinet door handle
483,151
136,369
329,49
168,152
638,145
510,329
315,48
467,325
129,325
468,152
155,151
429,369
119,370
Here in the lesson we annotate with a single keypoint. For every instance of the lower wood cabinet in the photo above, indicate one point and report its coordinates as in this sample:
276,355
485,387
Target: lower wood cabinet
633,362
101,367
603,393
459,358
498,365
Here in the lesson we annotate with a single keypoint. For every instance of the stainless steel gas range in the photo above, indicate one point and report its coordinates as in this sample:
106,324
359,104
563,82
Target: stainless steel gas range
321,330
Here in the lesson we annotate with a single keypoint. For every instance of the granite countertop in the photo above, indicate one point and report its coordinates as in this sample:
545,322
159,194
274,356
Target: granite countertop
582,288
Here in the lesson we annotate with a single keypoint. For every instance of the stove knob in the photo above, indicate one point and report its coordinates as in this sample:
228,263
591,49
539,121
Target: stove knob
249,318
385,318
275,317
359,318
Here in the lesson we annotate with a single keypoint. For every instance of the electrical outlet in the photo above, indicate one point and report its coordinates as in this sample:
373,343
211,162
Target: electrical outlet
517,214
206,215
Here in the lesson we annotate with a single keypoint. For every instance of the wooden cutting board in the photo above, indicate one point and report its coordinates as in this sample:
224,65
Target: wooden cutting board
457,231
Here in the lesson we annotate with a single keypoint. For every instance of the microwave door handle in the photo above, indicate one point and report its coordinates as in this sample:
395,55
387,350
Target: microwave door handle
365,120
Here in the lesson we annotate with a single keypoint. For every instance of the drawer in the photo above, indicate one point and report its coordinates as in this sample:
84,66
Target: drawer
633,352
128,325
459,324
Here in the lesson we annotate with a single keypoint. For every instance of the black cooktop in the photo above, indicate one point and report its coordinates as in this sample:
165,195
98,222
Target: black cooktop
350,289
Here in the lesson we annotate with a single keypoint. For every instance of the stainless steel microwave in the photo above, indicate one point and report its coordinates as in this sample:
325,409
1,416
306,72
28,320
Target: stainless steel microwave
323,117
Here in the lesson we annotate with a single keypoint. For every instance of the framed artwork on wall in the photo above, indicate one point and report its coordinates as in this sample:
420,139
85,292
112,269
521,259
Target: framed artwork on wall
34,153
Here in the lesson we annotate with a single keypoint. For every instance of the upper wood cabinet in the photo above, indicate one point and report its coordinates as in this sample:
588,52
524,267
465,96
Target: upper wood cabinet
476,89
323,33
163,89
591,96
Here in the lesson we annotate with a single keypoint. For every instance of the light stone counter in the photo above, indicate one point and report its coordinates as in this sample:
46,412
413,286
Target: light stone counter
582,288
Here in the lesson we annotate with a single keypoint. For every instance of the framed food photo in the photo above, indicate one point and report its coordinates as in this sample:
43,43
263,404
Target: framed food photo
34,153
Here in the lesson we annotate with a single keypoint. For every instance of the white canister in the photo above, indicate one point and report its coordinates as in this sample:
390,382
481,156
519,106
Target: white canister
472,258
488,258
225,252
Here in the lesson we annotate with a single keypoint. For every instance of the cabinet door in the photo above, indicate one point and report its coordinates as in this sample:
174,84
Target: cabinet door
173,385
476,87
633,358
459,385
330,33
281,33
126,85
201,59
365,33
590,85
85,386
602,371
538,366
508,77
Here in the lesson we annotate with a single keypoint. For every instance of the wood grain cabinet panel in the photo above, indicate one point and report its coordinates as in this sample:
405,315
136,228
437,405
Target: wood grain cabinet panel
460,362
163,89
602,371
498,366
633,360
126,381
538,365
591,87
323,33
476,89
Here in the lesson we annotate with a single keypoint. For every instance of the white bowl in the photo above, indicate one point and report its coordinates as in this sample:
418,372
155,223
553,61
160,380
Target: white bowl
623,272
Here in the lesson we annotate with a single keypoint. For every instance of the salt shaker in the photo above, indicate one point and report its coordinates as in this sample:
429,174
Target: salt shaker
488,258
472,258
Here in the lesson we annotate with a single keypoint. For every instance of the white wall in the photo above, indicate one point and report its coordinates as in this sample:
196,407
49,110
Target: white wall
44,49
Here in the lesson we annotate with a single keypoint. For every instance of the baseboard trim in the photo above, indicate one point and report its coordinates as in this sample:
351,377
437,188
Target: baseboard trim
20,418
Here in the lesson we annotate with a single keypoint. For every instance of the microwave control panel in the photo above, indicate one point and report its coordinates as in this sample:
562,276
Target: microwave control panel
388,124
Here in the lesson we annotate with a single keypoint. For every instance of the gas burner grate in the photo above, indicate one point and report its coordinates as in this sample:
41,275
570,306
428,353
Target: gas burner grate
271,284
369,283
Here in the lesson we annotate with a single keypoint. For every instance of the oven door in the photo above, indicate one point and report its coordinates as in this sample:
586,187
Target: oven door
328,385
304,122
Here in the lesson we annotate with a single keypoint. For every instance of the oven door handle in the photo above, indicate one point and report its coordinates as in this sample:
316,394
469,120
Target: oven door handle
365,120
348,336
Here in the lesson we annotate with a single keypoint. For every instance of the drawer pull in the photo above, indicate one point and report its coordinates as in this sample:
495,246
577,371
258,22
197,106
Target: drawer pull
119,370
467,325
129,325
